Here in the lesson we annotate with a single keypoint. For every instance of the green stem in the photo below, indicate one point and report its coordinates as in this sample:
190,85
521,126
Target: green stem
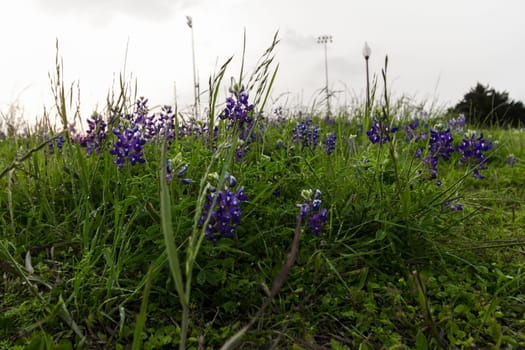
171,249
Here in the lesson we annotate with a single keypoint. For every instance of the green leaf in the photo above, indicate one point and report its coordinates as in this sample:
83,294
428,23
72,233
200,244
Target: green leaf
41,341
335,345
380,235
201,277
421,341
482,269
363,346
461,309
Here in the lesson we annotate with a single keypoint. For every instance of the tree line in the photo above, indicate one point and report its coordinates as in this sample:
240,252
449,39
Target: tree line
486,107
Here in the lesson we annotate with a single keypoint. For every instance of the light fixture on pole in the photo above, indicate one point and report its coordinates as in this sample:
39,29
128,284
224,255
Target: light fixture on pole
196,92
325,39
366,54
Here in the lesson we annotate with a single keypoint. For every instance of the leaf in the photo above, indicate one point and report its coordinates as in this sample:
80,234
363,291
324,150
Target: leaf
421,341
201,277
380,235
335,345
482,269
363,346
40,342
461,309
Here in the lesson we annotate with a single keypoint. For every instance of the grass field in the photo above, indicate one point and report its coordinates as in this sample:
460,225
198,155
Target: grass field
380,229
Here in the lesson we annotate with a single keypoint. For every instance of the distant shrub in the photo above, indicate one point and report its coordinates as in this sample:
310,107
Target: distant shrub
484,106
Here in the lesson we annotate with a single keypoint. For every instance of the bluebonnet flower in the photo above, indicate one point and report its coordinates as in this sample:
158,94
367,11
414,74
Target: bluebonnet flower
239,113
128,147
329,143
380,131
440,146
194,128
224,209
279,116
246,137
278,112
414,124
141,111
166,123
458,123
155,126
96,135
169,170
453,205
240,151
134,130
311,211
161,126
180,174
306,134
59,142
238,110
411,132
471,150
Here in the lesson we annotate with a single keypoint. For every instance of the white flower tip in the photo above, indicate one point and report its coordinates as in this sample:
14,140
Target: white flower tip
306,194
367,51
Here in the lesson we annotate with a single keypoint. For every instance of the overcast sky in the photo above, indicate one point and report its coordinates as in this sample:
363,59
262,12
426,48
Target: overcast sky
437,50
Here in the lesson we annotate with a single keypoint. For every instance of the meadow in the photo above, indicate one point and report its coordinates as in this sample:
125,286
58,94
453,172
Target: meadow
381,227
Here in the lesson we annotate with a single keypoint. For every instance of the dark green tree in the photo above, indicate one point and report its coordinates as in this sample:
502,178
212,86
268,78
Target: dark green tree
484,106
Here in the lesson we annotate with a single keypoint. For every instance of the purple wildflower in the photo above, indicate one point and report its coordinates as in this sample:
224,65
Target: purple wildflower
458,123
440,146
453,205
311,211
59,142
280,118
162,125
329,143
411,132
128,147
180,174
223,208
306,134
471,150
238,110
141,111
95,136
380,131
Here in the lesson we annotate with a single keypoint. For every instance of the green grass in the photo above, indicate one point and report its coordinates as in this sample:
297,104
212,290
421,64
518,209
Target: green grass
118,260
384,273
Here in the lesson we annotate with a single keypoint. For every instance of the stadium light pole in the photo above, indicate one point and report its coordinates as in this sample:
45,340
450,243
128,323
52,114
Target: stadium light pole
196,92
325,39
366,54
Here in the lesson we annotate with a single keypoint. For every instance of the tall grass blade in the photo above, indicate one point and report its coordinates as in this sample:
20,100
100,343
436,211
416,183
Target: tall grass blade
141,318
171,249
